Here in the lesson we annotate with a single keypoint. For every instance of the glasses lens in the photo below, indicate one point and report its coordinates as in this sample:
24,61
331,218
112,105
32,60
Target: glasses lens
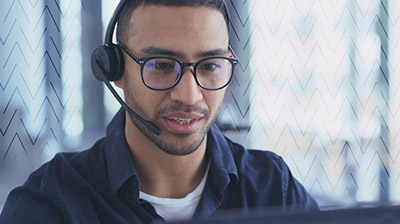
161,73
214,73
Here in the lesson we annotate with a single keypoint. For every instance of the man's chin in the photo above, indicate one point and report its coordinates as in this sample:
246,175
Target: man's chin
181,144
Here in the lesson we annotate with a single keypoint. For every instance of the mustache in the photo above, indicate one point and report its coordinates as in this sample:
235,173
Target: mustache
179,106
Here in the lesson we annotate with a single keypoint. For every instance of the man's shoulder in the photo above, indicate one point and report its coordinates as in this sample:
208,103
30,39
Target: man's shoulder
256,165
64,170
53,188
68,161
268,176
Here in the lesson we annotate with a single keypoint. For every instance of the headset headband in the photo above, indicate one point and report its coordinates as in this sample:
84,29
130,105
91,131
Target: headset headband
113,22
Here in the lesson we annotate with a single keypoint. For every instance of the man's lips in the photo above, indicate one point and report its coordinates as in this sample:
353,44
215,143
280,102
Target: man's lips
181,122
183,115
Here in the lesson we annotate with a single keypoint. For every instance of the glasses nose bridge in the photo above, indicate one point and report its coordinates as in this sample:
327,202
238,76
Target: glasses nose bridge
187,64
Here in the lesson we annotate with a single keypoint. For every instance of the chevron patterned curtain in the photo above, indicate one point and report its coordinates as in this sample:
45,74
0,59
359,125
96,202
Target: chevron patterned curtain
318,83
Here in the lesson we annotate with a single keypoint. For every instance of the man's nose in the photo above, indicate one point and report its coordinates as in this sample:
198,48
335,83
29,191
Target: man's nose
187,91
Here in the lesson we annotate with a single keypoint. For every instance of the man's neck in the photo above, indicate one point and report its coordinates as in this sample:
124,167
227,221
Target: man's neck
164,175
173,180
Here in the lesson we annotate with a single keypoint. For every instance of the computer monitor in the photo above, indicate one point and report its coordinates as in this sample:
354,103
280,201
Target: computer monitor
384,214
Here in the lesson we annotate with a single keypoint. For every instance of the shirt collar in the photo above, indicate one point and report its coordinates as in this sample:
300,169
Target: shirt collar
219,150
119,159
120,165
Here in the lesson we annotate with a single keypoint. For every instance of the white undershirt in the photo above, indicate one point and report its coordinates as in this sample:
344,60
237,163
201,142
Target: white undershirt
174,209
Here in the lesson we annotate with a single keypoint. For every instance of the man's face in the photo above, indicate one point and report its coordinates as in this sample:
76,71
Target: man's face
185,112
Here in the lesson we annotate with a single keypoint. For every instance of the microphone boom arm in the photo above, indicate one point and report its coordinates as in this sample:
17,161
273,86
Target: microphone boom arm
153,128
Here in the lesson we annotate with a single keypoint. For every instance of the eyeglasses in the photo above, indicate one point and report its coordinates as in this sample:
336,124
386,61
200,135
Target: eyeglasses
162,73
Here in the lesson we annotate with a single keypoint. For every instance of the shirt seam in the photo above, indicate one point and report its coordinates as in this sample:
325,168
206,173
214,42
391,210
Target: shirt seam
285,181
54,199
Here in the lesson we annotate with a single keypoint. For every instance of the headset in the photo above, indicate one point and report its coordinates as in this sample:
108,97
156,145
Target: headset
108,63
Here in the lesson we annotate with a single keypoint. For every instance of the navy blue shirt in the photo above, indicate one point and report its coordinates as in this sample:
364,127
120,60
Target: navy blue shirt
101,185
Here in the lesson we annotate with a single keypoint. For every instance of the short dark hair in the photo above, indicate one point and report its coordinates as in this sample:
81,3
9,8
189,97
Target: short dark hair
131,5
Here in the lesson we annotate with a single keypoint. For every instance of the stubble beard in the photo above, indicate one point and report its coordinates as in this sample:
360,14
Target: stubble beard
158,140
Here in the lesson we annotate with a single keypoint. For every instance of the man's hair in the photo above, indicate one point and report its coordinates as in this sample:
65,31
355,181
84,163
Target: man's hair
124,18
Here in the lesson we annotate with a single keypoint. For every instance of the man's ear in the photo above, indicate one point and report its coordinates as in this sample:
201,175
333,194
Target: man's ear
231,53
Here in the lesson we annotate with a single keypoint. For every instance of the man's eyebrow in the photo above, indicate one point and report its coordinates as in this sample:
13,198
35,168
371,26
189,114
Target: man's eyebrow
150,51
216,52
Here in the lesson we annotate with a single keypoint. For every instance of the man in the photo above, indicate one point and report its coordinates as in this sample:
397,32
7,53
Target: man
190,170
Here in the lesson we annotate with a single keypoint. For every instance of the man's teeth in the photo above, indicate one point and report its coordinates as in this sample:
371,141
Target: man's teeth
181,121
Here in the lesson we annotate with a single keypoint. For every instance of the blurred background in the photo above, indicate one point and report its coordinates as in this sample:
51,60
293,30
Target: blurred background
318,83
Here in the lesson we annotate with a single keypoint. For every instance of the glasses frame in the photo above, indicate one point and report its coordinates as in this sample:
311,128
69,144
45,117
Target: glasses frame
142,61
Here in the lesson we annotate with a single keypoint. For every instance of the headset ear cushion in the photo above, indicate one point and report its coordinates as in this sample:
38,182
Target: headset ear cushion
107,63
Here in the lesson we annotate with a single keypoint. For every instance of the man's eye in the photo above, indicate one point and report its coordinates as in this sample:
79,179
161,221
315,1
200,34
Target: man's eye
163,65
209,66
